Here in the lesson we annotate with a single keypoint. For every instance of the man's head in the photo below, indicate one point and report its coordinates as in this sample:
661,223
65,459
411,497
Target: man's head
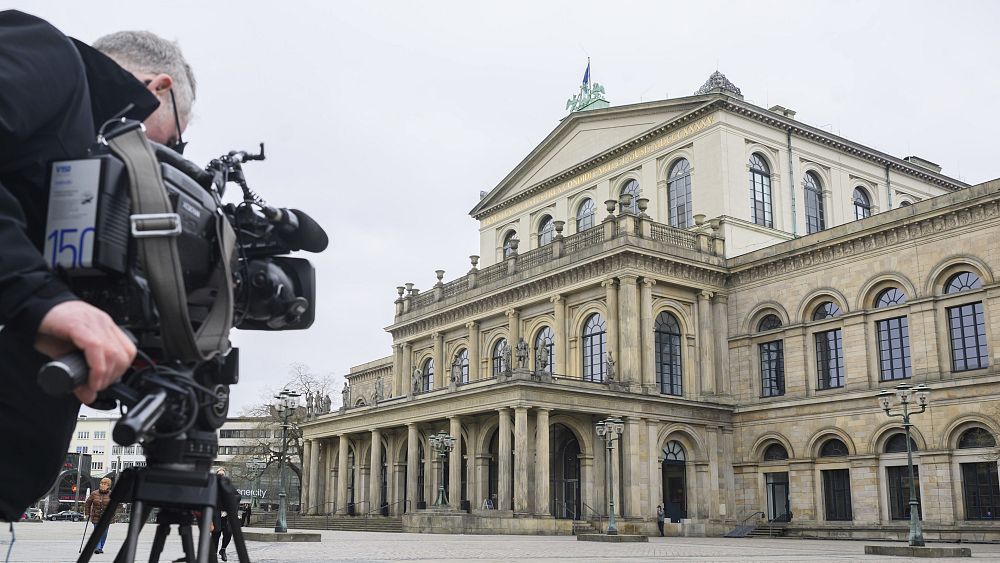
160,65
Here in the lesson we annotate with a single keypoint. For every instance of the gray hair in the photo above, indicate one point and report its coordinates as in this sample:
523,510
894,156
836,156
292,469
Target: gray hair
143,51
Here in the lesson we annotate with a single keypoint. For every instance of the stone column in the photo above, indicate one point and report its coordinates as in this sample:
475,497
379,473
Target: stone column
375,475
398,484
482,479
440,368
612,317
513,327
720,330
330,475
475,362
412,459
521,504
562,343
342,473
455,464
714,498
631,452
407,369
543,497
648,338
630,339
802,490
304,485
397,371
503,480
314,455
706,343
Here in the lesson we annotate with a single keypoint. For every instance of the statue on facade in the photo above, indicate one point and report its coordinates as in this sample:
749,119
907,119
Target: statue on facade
379,393
541,360
610,363
310,405
418,375
327,403
521,351
345,396
506,359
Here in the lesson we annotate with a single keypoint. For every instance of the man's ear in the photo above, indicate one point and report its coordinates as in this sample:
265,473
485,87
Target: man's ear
160,83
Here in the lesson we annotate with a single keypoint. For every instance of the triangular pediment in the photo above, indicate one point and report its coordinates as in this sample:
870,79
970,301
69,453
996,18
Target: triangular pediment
582,136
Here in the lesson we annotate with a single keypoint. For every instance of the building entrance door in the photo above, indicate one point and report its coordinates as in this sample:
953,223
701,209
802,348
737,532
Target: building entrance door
777,497
674,482
565,471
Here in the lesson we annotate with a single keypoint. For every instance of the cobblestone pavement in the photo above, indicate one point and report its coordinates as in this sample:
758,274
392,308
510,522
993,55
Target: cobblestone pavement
52,542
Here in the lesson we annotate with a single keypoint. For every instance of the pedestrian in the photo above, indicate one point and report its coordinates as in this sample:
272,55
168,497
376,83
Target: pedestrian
94,508
220,526
659,518
247,512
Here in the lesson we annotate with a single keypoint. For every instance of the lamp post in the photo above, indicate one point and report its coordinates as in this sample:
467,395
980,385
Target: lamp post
285,404
610,430
443,443
905,395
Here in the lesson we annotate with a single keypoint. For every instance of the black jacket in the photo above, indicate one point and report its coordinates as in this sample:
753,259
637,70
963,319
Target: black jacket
54,93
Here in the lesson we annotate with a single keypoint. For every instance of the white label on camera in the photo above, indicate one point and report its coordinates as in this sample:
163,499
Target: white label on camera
72,216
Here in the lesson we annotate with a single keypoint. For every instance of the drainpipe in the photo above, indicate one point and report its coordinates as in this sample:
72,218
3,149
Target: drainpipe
888,187
791,183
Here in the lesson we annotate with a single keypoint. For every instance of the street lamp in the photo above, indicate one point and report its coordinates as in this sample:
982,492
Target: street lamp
905,395
443,443
285,404
610,430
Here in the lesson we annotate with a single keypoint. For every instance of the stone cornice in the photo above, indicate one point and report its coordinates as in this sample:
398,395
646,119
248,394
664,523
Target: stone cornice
497,301
893,228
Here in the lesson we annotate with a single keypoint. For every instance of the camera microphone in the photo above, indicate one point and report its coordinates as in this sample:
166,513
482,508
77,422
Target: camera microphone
299,230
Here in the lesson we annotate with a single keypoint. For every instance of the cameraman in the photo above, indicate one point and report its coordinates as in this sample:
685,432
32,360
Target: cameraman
55,93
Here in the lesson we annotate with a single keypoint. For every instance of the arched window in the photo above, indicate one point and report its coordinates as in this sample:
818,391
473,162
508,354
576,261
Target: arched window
977,437
546,228
501,357
826,310
673,452
775,452
667,333
760,191
508,245
544,350
594,345
833,447
585,215
862,204
427,378
890,297
897,443
632,188
815,213
905,203
967,325
679,194
962,281
460,367
769,322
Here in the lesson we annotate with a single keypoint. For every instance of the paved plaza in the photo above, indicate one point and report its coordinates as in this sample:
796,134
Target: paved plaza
52,542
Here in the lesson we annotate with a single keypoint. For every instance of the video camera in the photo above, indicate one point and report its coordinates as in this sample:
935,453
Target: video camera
141,233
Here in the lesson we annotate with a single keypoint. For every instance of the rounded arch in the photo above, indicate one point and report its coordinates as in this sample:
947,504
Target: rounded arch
583,313
495,337
959,425
535,324
952,265
683,322
760,311
817,296
667,162
582,431
824,434
870,190
762,443
620,182
821,174
880,282
694,444
543,219
766,154
453,347
486,430
889,429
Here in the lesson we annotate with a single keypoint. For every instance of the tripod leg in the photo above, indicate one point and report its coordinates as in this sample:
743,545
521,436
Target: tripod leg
229,499
205,534
102,525
127,553
162,531
187,541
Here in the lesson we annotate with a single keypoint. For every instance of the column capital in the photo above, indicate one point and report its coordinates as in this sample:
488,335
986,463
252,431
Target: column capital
504,410
512,313
648,282
406,346
519,409
411,425
454,417
705,295
608,283
436,335
556,298
721,298
472,325
631,279
543,409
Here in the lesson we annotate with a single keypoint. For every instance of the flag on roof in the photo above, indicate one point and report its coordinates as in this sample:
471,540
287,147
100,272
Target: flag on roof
586,74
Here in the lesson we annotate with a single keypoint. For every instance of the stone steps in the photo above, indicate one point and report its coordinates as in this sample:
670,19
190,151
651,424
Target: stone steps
341,523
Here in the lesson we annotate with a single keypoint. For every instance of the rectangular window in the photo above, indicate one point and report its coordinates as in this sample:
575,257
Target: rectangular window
772,369
981,489
114,466
82,435
899,491
830,358
100,435
81,449
97,465
893,348
837,494
967,329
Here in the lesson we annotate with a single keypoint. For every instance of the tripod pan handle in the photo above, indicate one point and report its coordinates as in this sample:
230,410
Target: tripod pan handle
63,374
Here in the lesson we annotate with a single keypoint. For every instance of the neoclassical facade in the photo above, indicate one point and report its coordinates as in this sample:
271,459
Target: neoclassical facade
735,286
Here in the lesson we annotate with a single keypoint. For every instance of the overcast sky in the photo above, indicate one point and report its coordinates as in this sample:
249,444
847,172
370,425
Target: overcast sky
385,120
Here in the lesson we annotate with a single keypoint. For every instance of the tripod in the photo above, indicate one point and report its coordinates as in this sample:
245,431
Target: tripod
176,492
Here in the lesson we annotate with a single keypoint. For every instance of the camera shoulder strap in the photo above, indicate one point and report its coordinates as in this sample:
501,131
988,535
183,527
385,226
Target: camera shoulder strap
155,227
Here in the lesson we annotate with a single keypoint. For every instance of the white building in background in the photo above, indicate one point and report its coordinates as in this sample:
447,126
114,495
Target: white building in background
93,436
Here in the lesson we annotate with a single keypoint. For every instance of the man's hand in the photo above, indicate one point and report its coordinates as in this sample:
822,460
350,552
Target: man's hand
78,325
